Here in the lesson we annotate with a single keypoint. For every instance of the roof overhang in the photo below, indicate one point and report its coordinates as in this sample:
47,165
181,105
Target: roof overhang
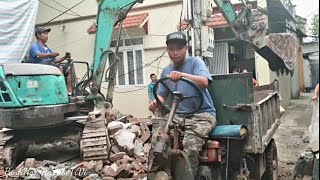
216,21
132,21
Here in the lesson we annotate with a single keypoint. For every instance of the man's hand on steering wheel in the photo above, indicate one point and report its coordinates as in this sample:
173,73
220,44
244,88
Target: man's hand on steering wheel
175,76
154,104
178,76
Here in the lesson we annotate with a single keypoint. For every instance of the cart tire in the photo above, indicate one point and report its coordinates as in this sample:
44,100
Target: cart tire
271,159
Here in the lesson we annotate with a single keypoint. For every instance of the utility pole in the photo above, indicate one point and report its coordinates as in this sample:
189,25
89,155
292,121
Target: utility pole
197,26
198,13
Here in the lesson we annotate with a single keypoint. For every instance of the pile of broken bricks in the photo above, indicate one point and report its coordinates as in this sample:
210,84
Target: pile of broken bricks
128,158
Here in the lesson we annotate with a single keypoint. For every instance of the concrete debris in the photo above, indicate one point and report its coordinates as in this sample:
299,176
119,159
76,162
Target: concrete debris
138,147
130,139
124,171
133,121
146,148
112,129
98,167
89,165
109,171
92,177
145,132
30,162
135,129
114,167
141,159
125,140
108,178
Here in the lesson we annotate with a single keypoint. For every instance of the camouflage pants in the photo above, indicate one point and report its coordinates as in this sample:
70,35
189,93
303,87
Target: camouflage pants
197,129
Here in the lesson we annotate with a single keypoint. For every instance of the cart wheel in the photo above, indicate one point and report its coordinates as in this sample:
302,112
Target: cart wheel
271,156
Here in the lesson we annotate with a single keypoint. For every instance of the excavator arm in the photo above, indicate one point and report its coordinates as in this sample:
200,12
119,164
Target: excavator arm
109,14
251,25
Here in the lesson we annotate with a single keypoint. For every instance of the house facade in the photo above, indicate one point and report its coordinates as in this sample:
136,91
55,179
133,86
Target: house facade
281,19
142,48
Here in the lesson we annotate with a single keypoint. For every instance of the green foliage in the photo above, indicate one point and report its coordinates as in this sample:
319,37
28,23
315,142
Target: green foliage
301,23
315,25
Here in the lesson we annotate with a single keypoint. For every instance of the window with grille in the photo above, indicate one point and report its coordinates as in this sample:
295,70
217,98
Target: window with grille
131,60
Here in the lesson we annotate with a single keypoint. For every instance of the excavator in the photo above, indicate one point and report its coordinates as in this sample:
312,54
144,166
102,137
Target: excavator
35,106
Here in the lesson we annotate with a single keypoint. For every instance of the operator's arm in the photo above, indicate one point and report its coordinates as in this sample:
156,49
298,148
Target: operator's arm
316,93
37,55
200,76
255,82
60,59
162,94
154,105
46,55
201,81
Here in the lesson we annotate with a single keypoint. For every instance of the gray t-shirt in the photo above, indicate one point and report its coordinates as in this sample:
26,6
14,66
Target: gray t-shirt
194,66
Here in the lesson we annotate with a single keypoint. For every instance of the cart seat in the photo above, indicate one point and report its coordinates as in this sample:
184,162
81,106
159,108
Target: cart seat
228,131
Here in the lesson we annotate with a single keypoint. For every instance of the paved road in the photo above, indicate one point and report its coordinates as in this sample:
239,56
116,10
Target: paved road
289,137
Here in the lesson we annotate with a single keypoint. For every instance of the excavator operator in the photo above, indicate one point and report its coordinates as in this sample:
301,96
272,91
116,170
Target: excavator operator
42,54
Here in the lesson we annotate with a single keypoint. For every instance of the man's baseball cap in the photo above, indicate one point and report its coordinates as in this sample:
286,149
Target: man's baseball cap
177,37
39,30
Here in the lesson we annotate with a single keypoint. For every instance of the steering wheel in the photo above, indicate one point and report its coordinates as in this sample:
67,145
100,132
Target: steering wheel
182,97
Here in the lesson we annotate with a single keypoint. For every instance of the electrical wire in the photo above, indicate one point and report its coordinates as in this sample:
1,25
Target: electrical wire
56,8
312,13
125,30
181,17
66,44
158,67
146,65
64,12
124,92
71,10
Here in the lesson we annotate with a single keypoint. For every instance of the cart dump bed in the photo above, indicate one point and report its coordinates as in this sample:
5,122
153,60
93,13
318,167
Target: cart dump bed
238,102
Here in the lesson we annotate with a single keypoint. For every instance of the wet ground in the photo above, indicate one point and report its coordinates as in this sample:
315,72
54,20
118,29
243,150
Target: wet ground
290,135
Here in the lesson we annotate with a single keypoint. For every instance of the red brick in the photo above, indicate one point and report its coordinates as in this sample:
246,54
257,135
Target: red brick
139,158
109,171
117,156
136,165
124,172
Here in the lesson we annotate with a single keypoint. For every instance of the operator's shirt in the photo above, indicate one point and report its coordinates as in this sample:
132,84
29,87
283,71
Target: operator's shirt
194,66
35,49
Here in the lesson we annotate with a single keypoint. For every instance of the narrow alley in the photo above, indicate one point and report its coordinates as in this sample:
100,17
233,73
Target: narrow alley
292,131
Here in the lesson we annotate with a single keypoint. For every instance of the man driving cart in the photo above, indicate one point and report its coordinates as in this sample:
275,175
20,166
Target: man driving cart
198,122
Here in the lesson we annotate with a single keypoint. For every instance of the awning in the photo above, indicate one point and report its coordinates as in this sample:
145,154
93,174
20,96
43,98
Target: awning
136,20
131,21
216,21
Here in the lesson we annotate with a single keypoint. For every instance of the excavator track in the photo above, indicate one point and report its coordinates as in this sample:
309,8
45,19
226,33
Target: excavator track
94,143
7,150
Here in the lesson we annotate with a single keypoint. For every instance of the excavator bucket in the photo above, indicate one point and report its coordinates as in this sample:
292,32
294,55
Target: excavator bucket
280,50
